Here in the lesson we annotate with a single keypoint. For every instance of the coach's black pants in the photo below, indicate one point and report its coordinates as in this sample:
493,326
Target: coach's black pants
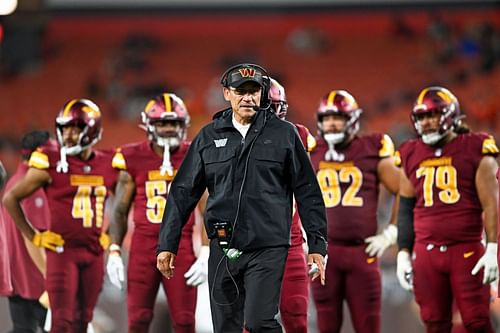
27,315
246,292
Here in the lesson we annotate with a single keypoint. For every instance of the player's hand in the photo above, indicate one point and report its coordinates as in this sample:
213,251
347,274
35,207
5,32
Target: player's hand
104,240
317,264
165,263
49,240
489,262
404,270
198,272
115,268
379,243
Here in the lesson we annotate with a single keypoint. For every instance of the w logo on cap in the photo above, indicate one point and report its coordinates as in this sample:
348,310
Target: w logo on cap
247,72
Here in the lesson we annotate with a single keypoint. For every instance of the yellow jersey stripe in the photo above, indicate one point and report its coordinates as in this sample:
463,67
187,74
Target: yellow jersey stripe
387,149
490,146
397,159
39,160
311,143
119,161
82,180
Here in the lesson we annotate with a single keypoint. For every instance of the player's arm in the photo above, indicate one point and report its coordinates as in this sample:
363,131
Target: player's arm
32,181
198,272
406,233
124,194
487,190
388,174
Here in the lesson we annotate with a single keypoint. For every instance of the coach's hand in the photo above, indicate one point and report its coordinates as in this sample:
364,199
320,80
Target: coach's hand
317,264
165,263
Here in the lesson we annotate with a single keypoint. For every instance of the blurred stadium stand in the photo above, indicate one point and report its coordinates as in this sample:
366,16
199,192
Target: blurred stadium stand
382,54
382,57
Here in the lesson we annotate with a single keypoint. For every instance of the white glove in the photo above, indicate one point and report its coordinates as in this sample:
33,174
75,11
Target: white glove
404,270
48,321
116,270
379,243
198,272
489,262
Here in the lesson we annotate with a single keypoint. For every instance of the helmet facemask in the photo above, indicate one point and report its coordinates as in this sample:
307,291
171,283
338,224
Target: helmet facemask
280,108
436,100
172,142
84,114
351,126
166,108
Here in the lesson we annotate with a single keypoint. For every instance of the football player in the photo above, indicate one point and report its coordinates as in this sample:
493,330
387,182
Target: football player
295,288
77,179
24,281
447,185
146,171
349,169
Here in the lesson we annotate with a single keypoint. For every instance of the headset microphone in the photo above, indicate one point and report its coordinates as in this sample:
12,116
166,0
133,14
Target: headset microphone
258,108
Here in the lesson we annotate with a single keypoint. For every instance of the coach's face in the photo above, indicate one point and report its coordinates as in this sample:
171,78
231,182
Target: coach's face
243,99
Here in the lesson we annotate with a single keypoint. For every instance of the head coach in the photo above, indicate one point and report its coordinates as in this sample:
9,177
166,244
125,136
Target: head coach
253,165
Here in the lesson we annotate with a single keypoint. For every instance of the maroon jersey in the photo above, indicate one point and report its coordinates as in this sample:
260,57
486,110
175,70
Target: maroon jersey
447,209
25,278
5,282
309,143
76,198
350,186
151,187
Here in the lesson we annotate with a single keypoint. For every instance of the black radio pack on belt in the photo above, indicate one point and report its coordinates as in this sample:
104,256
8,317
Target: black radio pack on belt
224,232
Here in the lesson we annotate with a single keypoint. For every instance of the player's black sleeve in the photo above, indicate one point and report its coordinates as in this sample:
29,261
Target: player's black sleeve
406,233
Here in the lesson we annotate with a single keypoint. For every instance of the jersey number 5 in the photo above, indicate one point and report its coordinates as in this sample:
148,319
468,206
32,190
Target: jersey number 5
444,178
82,205
329,182
156,191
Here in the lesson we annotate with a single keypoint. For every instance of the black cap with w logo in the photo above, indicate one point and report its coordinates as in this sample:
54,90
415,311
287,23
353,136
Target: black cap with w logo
239,74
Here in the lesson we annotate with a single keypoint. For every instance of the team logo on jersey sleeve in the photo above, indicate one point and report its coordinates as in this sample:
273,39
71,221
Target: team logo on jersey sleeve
489,146
397,159
311,142
119,161
39,160
387,149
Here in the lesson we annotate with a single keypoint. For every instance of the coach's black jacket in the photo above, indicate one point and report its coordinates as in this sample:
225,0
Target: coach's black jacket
278,167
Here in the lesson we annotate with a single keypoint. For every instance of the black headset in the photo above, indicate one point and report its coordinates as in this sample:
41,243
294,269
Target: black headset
265,99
